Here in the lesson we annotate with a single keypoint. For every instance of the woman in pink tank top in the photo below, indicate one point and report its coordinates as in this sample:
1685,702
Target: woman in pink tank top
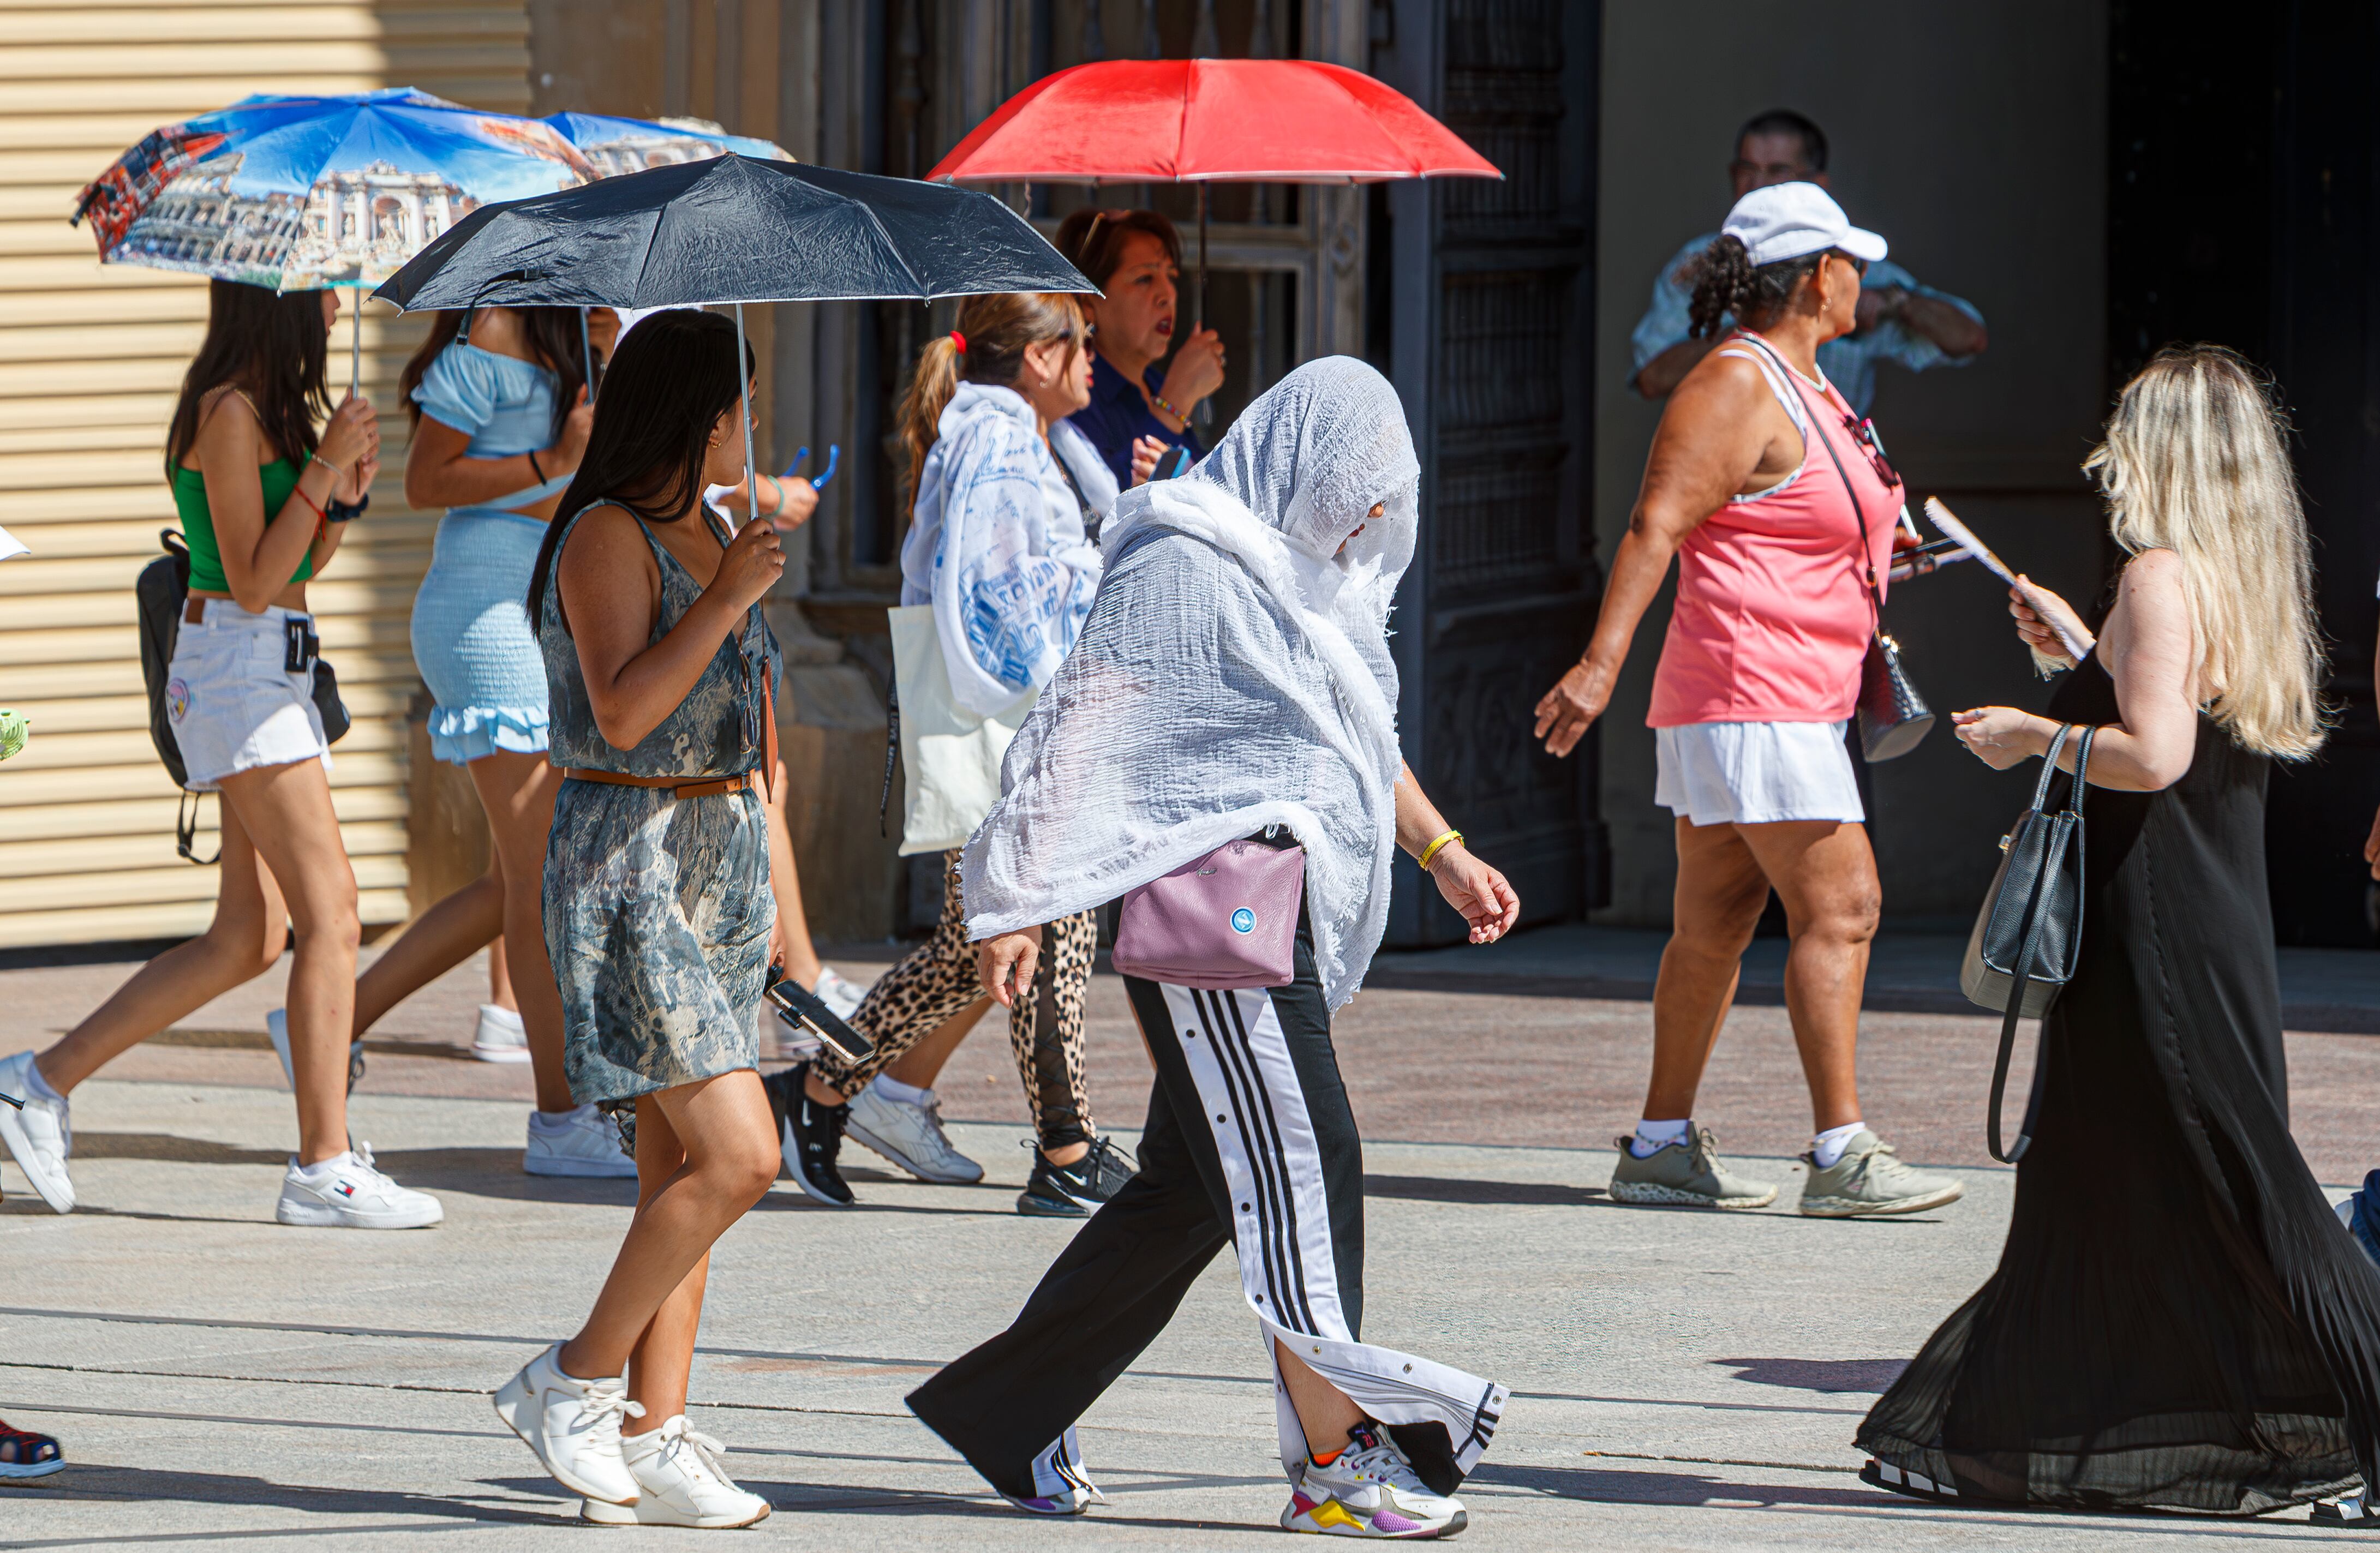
1781,509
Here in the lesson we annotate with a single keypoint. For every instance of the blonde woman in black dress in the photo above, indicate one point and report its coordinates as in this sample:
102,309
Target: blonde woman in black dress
2178,1321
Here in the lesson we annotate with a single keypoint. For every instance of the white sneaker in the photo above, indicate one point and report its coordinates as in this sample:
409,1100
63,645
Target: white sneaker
346,1192
911,1136
276,1024
679,1483
573,1425
583,1143
836,993
1060,1486
501,1037
1370,1489
39,1137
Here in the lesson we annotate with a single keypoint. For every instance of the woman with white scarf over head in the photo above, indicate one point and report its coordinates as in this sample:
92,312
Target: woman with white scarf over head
1233,681
1004,492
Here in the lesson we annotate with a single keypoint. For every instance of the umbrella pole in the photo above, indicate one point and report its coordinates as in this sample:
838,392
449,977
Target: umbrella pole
1205,414
586,356
751,458
355,347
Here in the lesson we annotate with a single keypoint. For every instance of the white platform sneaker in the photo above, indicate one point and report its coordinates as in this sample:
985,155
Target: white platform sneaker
39,1137
573,1425
584,1142
501,1037
679,1483
911,1136
346,1192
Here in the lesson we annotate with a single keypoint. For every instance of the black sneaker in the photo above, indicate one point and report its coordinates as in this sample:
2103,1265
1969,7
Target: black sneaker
810,1135
1074,1191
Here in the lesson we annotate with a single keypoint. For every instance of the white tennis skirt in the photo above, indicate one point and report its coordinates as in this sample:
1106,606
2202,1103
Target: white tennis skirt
1756,773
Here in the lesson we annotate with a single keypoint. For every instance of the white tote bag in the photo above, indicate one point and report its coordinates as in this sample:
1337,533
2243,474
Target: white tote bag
952,755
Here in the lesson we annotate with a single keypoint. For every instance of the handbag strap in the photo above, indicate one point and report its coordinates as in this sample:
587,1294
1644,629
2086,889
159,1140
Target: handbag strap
2066,828
2049,765
1859,508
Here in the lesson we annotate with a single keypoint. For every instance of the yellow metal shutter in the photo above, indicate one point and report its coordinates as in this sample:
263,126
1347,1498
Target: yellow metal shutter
89,360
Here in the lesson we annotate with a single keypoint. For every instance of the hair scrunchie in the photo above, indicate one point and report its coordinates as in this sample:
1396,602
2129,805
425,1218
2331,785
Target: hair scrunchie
959,340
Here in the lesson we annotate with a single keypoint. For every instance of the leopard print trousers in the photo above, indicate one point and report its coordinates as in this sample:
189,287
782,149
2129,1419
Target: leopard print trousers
1045,1032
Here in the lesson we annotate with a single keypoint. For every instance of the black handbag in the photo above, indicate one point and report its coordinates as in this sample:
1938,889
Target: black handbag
1892,716
2028,936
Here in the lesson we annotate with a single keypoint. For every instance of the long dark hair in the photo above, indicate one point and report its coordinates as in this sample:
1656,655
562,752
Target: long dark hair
1726,281
553,340
274,348
671,378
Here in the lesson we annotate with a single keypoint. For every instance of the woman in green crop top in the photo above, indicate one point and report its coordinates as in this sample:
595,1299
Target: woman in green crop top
253,480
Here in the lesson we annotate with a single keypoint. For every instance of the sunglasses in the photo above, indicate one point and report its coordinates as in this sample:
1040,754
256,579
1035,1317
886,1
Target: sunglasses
1862,432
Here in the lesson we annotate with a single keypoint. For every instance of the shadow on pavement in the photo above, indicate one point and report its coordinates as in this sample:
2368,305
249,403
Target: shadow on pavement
1819,1374
92,1482
1450,1189
1624,1486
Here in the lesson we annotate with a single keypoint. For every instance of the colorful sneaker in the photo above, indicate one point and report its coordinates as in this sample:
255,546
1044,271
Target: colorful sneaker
583,1143
501,1037
573,1425
1684,1173
345,1191
679,1483
1370,1489
1867,1181
1060,1486
1075,1191
24,1453
276,1024
910,1134
38,1137
809,1136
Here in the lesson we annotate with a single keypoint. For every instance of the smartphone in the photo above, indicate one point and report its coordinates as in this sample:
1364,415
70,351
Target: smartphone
1181,463
801,1008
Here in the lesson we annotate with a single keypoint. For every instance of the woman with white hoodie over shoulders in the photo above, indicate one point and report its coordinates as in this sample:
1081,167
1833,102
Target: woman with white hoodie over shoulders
1005,501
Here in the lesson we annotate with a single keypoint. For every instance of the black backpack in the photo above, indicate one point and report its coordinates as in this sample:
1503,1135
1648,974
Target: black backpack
163,591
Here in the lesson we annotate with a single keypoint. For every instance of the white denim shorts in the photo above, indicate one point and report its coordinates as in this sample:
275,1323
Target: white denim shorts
1756,773
233,702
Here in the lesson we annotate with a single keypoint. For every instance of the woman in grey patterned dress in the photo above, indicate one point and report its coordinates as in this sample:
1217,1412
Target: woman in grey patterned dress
658,912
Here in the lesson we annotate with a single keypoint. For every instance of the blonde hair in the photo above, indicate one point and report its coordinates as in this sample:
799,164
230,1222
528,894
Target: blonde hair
2193,463
996,328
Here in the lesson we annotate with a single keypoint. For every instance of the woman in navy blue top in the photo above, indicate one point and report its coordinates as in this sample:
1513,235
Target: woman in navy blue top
1134,258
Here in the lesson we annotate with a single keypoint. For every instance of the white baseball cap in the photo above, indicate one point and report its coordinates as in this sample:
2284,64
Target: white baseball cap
1790,220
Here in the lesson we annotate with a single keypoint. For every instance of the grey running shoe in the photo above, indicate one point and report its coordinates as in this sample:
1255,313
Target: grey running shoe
1869,1180
1686,1174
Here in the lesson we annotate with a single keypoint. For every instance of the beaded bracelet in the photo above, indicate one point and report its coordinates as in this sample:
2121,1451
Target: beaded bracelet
1434,848
1162,403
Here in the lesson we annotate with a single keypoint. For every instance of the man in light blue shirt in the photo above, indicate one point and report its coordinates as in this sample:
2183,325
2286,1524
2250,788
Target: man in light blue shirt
1900,320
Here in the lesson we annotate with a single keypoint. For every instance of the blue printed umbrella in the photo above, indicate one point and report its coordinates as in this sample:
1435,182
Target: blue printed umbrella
631,145
296,193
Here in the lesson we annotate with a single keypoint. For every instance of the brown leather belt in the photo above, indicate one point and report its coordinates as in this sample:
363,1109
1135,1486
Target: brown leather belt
680,787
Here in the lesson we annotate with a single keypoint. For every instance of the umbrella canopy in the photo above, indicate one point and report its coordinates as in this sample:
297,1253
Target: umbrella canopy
1207,120
296,193
631,145
733,229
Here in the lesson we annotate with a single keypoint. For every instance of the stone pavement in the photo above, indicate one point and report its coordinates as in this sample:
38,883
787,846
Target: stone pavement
1680,1381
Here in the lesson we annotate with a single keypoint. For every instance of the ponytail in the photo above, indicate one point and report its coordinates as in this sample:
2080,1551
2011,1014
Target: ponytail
987,347
1725,282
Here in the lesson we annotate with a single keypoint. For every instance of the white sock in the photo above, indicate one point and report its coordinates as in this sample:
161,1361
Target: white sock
1829,1146
558,1121
39,1087
319,1168
894,1090
1652,1136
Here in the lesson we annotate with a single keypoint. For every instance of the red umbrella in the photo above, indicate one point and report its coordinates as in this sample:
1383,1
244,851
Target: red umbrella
1209,120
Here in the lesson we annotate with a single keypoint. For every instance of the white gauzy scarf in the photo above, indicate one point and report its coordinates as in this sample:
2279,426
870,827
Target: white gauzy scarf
1233,673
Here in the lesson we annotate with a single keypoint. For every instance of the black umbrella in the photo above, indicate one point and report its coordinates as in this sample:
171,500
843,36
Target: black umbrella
733,229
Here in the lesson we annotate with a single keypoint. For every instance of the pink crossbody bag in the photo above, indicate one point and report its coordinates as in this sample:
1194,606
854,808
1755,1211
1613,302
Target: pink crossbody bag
1226,921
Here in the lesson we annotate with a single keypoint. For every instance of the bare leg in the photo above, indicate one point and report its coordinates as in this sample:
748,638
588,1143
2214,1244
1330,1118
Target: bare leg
1324,1412
500,973
785,883
1825,875
729,1143
287,812
517,790
663,1357
250,929
1719,896
439,940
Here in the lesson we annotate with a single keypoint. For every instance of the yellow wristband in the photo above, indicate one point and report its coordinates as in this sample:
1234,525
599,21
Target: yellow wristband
1434,848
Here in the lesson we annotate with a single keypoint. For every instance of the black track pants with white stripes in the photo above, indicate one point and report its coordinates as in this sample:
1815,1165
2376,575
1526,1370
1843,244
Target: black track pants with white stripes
1249,1143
